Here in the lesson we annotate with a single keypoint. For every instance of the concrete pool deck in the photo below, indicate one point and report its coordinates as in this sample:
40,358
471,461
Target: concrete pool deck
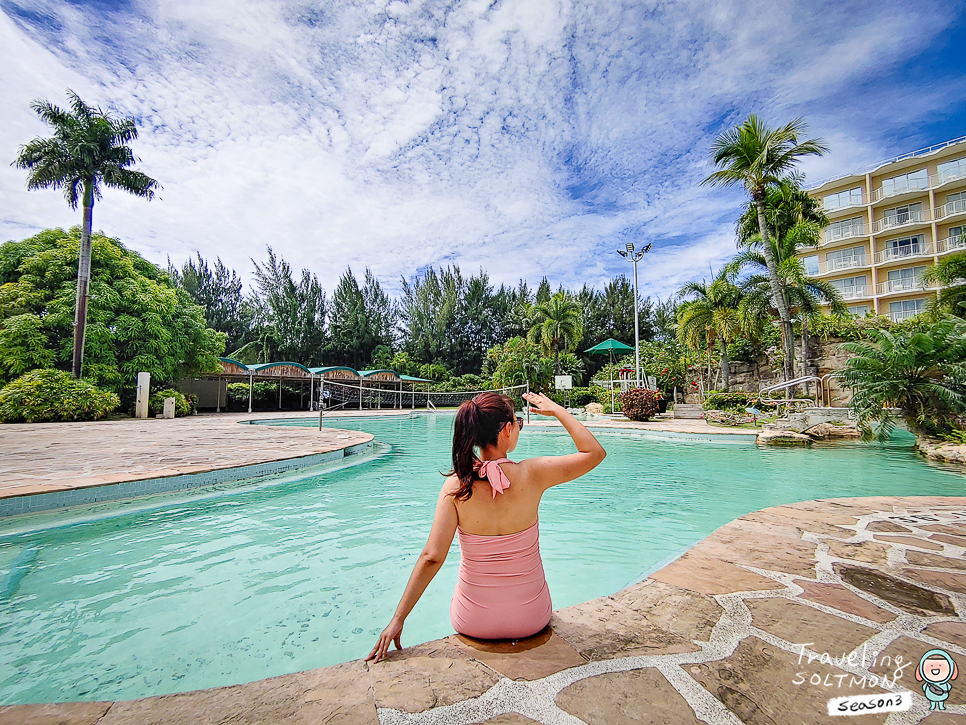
764,621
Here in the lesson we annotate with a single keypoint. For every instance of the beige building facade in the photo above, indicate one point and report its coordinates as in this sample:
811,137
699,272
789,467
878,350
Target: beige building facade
888,224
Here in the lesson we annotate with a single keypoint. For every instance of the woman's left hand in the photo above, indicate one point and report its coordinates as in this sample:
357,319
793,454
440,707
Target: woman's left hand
392,633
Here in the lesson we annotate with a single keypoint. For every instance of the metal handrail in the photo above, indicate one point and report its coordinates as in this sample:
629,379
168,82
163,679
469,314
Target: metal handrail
429,405
789,384
827,387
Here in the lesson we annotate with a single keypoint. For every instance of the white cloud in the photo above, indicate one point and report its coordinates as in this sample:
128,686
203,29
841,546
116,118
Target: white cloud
523,137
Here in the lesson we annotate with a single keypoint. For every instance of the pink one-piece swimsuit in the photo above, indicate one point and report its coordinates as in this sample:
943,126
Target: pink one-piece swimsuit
501,592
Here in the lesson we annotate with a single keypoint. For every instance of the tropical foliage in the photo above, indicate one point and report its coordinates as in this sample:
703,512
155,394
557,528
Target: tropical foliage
182,406
710,315
757,157
138,321
918,376
557,326
950,272
86,153
44,396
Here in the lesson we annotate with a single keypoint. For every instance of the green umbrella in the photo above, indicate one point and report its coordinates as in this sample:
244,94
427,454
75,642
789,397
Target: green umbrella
609,346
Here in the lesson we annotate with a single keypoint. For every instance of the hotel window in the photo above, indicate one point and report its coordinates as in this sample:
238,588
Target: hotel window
811,264
906,279
956,233
845,258
906,246
859,310
852,197
907,308
903,214
952,170
956,203
913,181
845,228
850,286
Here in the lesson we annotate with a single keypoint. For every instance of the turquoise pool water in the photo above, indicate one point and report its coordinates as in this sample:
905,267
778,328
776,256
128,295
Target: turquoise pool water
217,587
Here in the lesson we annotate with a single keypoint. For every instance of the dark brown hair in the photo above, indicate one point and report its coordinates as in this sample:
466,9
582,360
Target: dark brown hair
478,423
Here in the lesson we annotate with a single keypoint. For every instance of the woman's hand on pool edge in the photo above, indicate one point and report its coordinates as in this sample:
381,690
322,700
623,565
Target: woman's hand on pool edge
392,633
542,405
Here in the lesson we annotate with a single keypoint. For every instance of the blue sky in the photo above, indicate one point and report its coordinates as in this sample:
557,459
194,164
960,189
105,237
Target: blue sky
526,138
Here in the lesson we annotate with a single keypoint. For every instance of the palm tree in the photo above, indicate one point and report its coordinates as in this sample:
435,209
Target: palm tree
951,273
920,375
796,220
86,152
758,157
557,325
710,313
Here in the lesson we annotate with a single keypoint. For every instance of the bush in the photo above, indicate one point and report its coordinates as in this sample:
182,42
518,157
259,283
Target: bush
716,400
579,397
43,396
182,405
640,403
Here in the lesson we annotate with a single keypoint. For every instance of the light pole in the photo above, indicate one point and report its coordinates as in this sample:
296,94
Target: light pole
635,257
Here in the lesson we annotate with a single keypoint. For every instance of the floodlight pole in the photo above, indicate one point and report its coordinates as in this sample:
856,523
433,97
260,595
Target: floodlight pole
635,257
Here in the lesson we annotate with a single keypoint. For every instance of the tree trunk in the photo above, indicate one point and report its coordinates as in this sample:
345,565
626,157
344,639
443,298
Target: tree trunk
83,281
725,367
788,341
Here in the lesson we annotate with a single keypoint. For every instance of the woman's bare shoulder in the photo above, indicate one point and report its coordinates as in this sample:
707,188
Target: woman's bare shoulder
451,485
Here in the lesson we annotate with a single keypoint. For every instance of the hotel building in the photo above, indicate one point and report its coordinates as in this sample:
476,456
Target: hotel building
888,224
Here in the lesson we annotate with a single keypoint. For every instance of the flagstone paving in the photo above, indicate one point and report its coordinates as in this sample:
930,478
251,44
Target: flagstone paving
763,622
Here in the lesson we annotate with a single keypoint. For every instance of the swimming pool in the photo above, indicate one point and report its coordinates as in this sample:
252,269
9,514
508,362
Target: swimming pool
218,587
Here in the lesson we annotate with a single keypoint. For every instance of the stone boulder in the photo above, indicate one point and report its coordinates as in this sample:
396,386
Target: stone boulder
823,431
774,436
941,450
594,409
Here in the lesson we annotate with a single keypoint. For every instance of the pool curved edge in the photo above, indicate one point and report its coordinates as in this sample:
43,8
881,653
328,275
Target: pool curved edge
815,574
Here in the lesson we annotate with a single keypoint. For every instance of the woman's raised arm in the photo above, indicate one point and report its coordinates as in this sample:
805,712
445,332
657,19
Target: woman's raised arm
547,471
429,562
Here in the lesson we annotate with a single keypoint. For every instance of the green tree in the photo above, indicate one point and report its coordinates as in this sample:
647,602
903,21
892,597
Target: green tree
87,151
363,319
709,314
758,157
218,291
518,361
920,376
557,325
138,319
291,317
951,273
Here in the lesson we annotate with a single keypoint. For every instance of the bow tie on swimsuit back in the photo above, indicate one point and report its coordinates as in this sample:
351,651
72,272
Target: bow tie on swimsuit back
490,470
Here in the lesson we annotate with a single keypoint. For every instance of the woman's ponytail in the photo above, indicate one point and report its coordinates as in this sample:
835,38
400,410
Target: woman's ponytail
478,423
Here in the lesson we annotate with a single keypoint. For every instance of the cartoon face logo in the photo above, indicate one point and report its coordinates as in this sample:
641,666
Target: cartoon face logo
936,671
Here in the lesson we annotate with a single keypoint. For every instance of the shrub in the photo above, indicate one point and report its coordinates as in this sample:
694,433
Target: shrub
717,400
640,403
43,396
181,405
579,397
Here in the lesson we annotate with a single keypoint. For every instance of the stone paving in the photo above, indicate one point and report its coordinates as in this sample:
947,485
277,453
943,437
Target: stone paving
44,457
763,622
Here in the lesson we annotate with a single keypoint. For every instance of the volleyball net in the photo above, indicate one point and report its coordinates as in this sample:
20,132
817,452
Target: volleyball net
334,396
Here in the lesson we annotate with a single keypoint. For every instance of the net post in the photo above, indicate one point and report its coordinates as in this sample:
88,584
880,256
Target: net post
321,400
528,406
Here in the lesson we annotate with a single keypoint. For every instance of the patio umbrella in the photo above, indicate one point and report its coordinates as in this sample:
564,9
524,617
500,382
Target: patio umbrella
609,346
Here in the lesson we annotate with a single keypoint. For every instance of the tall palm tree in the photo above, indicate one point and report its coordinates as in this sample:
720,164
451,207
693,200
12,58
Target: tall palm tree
87,151
557,325
758,157
796,221
710,312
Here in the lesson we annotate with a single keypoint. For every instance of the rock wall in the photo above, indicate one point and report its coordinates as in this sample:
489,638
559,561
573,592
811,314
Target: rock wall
824,356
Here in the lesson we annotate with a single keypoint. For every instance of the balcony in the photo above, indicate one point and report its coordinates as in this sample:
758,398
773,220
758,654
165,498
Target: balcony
898,221
842,263
910,284
848,232
900,316
836,209
857,292
951,209
937,180
952,244
905,251
913,186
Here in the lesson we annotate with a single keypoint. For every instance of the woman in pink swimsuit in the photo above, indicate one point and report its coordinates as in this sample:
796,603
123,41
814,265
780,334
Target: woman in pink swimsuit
492,502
